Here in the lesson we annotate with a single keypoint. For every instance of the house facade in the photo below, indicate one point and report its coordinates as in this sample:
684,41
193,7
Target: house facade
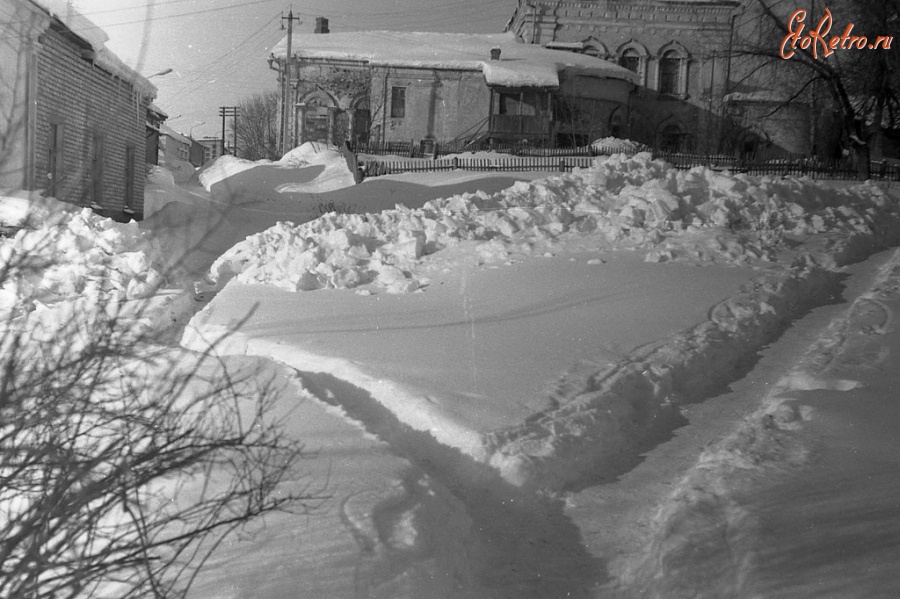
682,52
74,116
382,86
177,146
212,148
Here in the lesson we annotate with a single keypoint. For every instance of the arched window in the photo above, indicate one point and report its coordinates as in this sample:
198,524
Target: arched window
594,47
672,138
633,56
631,60
670,73
672,70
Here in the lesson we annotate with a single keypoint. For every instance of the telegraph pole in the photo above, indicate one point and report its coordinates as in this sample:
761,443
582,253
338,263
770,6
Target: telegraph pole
231,111
286,84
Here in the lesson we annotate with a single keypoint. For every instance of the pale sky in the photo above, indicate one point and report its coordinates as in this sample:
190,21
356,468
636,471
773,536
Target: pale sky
217,49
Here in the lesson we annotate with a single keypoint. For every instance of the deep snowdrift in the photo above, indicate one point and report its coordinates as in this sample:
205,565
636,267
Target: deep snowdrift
311,167
793,230
59,253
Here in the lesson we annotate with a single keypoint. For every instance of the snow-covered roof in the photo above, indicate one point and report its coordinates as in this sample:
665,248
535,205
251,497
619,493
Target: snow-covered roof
84,28
166,130
565,45
520,64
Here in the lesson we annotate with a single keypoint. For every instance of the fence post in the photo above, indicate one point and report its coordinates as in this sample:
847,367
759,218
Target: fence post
455,162
562,165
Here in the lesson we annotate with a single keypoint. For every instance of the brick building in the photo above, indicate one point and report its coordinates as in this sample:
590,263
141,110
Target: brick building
74,116
386,86
691,92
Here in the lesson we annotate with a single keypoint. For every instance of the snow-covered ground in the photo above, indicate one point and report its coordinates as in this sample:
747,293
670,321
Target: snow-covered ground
505,379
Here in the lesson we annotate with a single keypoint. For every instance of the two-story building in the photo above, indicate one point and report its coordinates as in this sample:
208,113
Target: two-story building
73,116
693,92
410,86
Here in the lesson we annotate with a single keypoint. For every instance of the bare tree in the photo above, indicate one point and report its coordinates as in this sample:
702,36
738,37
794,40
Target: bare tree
257,127
123,462
781,45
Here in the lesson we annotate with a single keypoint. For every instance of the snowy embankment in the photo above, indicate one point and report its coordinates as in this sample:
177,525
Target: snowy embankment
708,506
795,232
59,259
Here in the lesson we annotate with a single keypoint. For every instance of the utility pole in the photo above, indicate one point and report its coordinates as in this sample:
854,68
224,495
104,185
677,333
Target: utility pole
231,111
286,84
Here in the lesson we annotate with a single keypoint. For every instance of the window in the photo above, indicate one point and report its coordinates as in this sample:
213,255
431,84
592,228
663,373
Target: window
672,138
398,102
129,177
55,158
670,73
631,60
97,158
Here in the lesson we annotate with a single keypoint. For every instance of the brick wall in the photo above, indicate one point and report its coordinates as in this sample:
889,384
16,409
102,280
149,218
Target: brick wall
86,101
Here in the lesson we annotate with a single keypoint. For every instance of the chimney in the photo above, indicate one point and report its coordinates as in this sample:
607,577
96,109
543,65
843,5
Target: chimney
495,53
321,25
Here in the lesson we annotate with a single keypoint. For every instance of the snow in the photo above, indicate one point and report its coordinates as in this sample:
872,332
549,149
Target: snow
448,344
519,64
697,217
615,145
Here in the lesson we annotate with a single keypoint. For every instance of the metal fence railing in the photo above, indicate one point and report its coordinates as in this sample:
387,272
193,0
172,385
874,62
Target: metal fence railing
565,159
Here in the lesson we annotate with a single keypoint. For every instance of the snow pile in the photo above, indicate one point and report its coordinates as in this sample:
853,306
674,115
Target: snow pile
19,208
338,169
181,170
68,254
226,166
698,215
616,145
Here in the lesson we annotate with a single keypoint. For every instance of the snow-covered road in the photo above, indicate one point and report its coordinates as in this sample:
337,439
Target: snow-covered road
525,391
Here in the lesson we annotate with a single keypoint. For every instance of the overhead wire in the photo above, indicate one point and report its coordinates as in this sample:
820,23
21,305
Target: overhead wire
210,70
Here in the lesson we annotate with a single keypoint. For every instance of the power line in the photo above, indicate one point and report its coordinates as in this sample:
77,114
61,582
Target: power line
207,70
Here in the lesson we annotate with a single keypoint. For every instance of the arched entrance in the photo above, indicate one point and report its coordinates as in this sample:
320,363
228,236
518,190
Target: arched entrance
318,118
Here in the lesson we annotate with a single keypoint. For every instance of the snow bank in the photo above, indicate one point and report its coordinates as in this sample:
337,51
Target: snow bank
614,145
339,168
63,253
644,203
19,208
181,170
695,216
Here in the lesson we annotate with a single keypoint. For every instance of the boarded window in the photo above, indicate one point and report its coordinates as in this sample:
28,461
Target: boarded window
398,102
